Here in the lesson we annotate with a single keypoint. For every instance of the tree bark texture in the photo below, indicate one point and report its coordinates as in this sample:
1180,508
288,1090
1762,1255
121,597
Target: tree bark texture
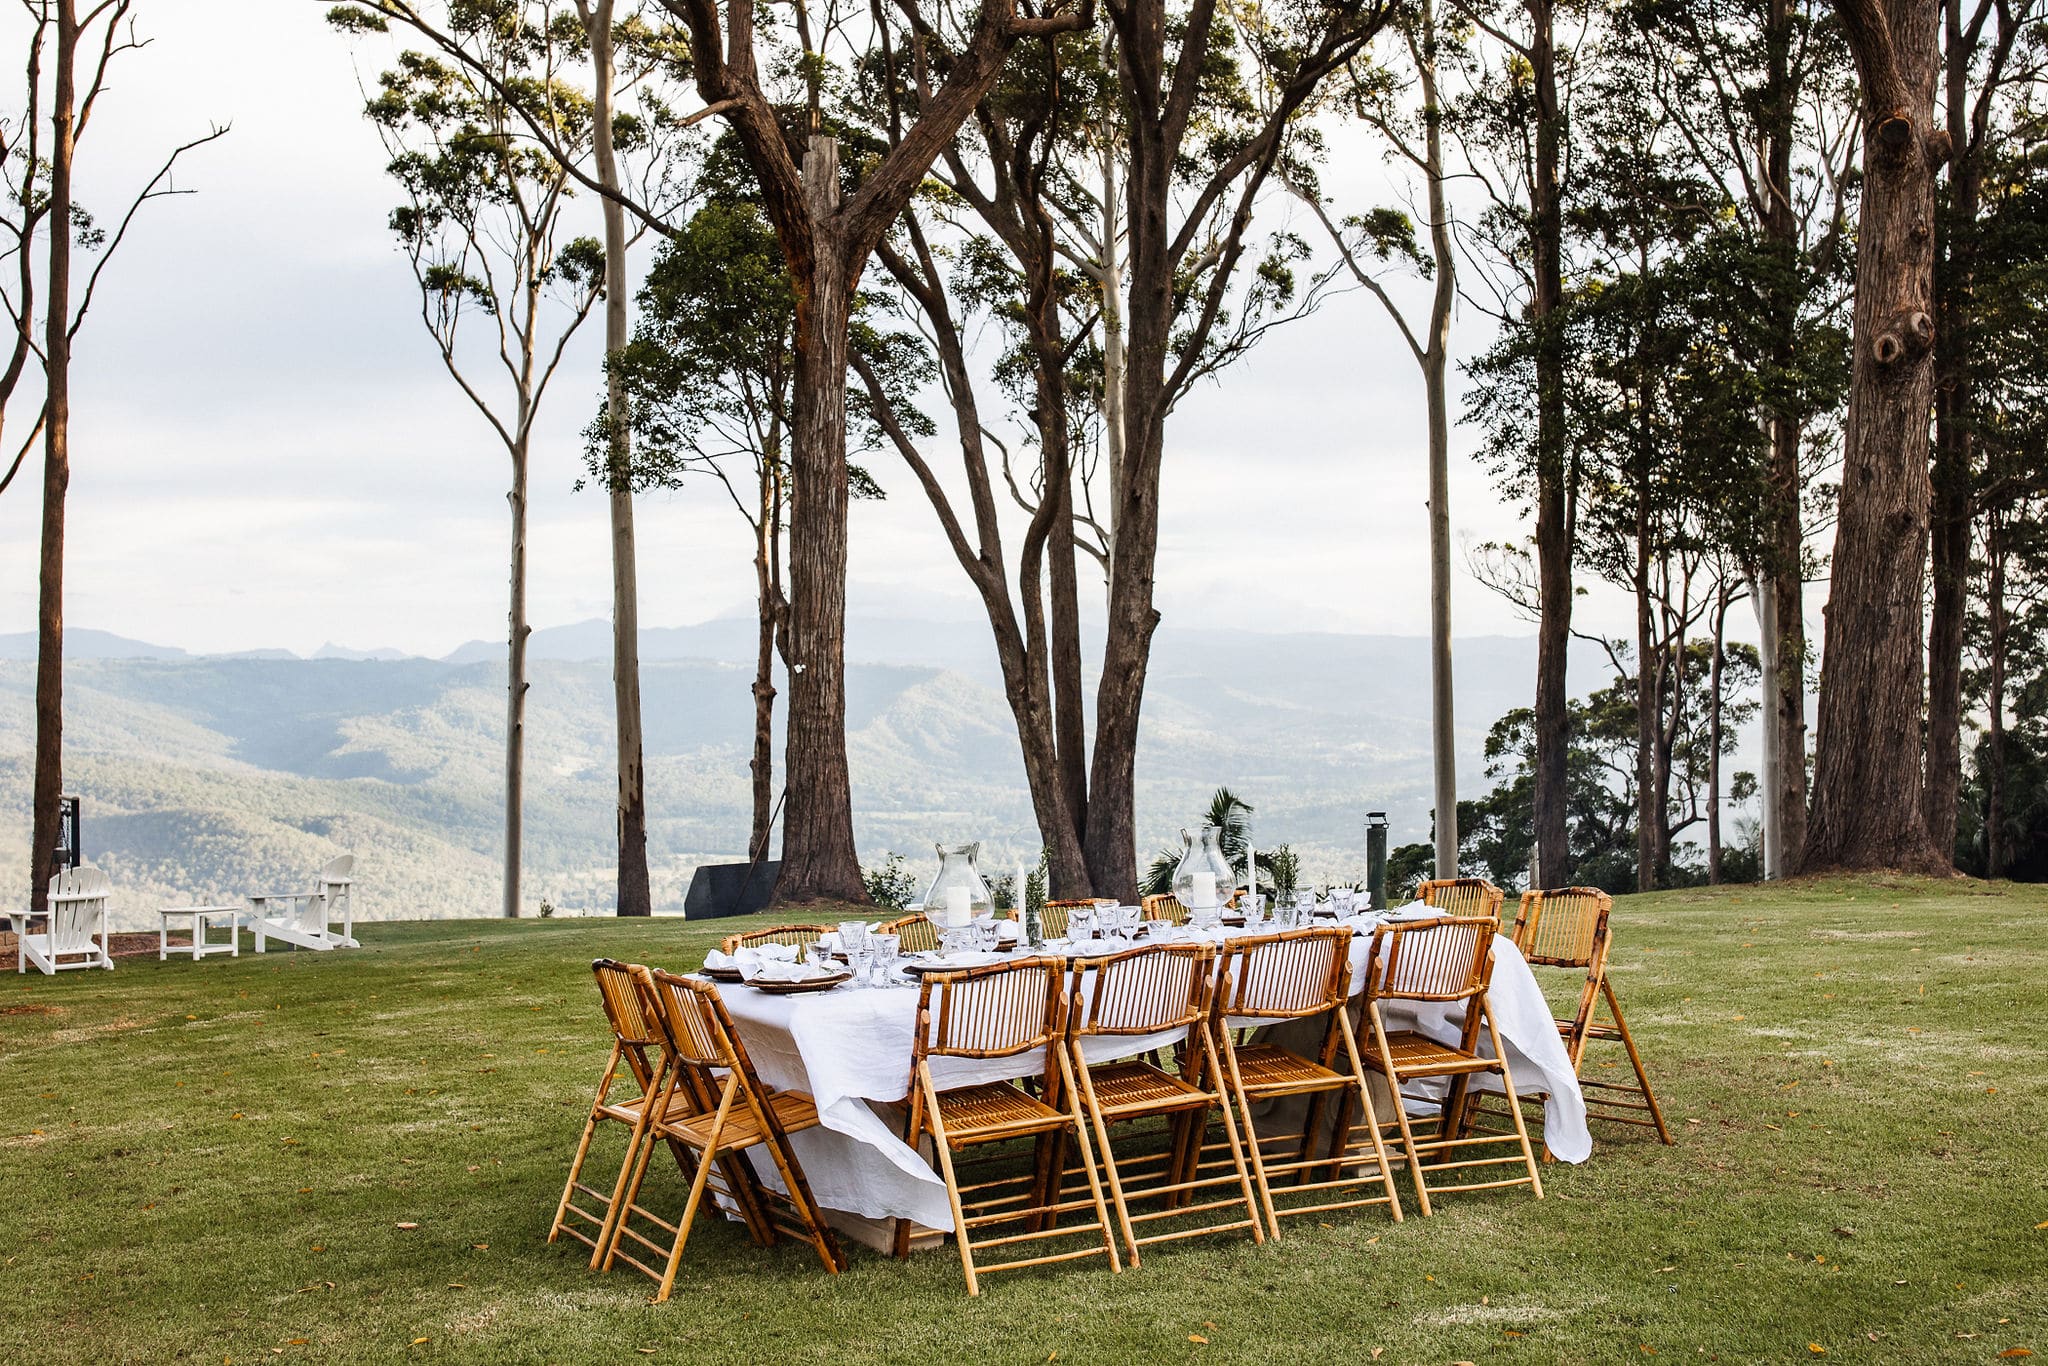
1866,811
49,766
635,895
515,681
1553,510
1436,390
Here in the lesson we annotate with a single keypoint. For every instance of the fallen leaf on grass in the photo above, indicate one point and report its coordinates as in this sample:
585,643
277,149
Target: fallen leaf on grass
2017,1352
1816,1349
1197,1337
417,1341
1376,1352
458,1285
408,1225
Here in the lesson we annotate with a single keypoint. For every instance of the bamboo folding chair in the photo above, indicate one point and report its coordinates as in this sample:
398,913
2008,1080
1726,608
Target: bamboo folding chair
796,936
1567,927
1294,975
914,934
637,1044
1144,993
1165,906
1445,959
1465,896
1003,1010
717,1111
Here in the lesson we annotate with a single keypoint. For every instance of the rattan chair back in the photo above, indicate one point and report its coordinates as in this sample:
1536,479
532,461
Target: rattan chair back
914,934
1055,917
1465,896
1165,906
796,936
1440,959
996,1011
1564,927
635,1029
1147,990
1285,976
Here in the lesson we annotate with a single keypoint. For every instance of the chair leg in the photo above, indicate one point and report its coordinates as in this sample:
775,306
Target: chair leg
1372,1118
1401,1116
945,1155
1507,1082
1116,1265
1636,1061
683,1225
1116,1185
1218,1084
1251,1131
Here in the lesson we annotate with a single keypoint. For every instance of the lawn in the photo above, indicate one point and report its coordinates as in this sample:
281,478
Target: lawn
220,1161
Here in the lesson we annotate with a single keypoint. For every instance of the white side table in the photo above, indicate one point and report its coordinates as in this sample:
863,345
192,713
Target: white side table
199,919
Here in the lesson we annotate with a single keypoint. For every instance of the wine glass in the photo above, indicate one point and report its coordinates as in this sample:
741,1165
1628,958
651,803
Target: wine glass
885,948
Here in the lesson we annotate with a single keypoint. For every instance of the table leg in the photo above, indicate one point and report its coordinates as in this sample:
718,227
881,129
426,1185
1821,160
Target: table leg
163,938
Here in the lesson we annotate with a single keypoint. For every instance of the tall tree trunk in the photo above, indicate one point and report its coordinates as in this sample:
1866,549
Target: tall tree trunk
819,861
1553,511
1714,674
1955,256
768,605
1780,596
635,896
1649,697
1436,357
515,678
1999,624
1763,596
49,773
1867,810
1113,368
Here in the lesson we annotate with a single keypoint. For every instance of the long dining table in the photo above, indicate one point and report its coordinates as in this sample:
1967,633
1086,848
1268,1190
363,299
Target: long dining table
851,1047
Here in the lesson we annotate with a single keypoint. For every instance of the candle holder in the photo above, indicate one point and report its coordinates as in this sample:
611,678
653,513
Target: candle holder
1204,879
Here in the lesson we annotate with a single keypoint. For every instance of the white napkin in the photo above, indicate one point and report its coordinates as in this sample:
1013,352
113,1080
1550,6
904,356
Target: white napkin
829,941
1009,931
718,959
775,962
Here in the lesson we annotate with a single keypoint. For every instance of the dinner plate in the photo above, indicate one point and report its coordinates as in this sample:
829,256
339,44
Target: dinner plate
920,965
722,974
809,984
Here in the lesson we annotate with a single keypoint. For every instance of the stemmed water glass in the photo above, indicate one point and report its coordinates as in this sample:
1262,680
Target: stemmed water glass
884,947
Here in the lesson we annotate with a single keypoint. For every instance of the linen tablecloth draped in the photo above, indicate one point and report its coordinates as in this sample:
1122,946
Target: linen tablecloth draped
847,1048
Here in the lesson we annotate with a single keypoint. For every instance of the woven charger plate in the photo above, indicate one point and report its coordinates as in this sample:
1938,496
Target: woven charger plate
799,988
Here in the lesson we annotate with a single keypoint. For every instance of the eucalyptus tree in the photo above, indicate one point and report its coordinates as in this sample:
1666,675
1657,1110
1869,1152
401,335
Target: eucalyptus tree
503,284
1866,810
39,150
1985,56
1209,114
709,383
1514,124
1367,246
1764,97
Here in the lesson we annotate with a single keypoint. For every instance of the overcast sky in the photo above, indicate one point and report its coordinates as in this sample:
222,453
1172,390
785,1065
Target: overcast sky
265,451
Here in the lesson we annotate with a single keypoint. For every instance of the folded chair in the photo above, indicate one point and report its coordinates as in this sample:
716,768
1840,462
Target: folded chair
1004,1010
1446,959
1468,896
1567,927
914,934
717,1112
637,1044
796,936
1165,906
1149,998
1295,975
76,933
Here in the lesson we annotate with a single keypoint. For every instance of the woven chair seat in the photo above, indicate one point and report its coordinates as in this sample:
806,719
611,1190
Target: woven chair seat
795,1109
1268,1070
996,1110
1418,1054
1124,1090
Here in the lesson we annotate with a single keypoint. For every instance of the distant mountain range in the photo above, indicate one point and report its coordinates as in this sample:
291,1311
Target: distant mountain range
208,776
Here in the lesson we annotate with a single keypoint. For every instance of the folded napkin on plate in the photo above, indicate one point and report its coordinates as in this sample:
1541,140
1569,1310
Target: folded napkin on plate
718,960
776,962
829,941
1009,931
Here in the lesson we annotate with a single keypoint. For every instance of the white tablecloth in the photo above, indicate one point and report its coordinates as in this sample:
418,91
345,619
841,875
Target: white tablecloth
849,1047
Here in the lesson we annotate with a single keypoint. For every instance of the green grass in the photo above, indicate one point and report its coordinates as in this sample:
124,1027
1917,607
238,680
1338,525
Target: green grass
209,1162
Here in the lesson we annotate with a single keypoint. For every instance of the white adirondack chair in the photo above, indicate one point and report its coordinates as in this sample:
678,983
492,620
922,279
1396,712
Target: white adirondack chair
77,921
307,919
